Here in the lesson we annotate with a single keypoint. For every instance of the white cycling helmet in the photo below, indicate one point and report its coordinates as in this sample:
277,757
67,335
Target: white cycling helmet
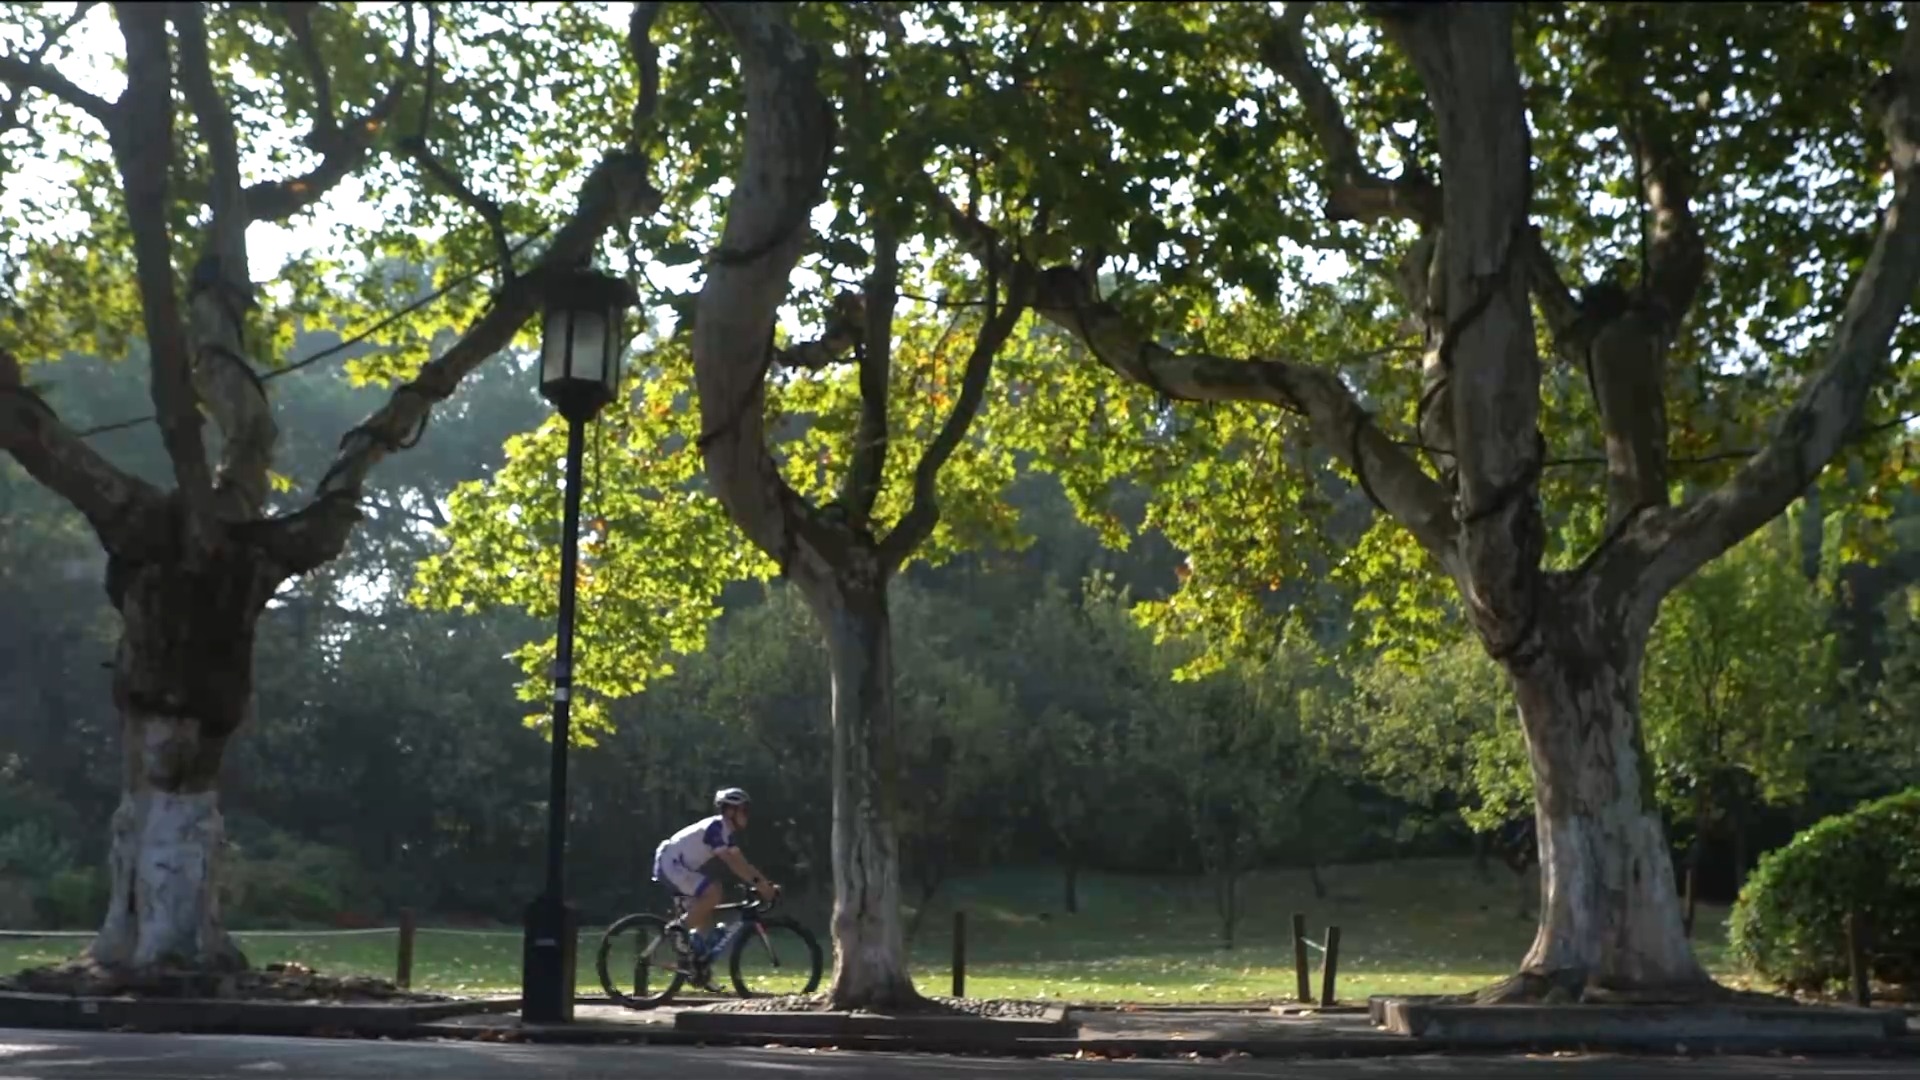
731,796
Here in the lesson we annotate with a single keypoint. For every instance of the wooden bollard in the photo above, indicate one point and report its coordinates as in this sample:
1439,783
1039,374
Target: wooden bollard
959,954
1329,966
403,968
1303,981
1857,966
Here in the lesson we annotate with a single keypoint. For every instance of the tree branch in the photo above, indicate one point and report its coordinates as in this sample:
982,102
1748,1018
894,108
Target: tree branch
917,524
326,123
32,72
646,57
869,463
1354,192
1392,477
789,136
142,139
617,191
119,506
1678,542
221,292
415,146
1676,253
1464,55
29,72
343,148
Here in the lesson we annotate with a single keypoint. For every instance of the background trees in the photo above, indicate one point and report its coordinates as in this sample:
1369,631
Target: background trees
1222,203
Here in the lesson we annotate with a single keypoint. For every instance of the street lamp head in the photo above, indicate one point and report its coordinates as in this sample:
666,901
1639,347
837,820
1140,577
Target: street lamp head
581,340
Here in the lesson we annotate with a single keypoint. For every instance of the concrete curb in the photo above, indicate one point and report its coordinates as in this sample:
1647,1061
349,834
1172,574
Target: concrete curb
225,1016
1053,1022
1424,1017
1372,1045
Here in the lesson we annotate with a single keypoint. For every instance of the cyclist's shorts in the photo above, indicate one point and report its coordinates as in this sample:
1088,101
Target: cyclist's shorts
680,878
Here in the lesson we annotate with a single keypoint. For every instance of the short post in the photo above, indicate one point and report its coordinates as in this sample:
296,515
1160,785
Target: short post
1303,981
959,954
1857,965
403,969
1329,966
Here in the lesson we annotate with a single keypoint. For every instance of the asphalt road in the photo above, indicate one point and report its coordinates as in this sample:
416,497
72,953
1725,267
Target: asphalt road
58,1055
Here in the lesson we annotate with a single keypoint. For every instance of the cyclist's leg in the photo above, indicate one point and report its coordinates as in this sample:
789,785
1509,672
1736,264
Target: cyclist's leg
704,897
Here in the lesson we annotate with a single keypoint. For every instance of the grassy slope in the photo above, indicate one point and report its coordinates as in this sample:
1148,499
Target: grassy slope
1416,926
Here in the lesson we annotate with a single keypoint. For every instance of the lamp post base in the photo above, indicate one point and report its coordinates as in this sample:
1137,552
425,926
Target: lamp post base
547,961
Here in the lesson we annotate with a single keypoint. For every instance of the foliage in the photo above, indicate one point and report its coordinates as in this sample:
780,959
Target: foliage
1789,925
1436,730
1741,675
274,880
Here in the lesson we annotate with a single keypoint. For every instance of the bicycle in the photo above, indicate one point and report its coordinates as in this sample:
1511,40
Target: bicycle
652,939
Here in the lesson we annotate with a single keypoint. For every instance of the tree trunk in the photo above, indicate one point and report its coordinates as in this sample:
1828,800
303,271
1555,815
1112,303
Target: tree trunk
183,682
1737,822
1609,912
1482,867
869,940
1694,854
1319,886
1071,886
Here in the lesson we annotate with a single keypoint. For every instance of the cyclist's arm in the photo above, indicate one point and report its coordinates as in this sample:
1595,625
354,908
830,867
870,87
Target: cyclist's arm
738,863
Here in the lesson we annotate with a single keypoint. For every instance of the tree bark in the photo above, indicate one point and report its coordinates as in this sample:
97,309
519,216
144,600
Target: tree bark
869,967
1610,916
1071,886
183,682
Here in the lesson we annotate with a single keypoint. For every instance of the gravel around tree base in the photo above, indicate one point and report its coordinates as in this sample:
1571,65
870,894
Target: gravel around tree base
985,1008
275,982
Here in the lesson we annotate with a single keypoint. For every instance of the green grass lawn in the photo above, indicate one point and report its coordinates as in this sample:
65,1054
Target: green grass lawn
1420,926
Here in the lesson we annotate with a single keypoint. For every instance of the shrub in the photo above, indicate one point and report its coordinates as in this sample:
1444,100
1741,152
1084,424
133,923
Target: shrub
1789,923
276,880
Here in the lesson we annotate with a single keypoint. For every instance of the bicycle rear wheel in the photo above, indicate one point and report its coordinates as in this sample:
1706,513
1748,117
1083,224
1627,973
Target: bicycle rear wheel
775,958
638,963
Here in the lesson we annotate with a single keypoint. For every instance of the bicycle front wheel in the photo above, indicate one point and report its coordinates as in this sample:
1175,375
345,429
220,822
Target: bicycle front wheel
775,958
638,964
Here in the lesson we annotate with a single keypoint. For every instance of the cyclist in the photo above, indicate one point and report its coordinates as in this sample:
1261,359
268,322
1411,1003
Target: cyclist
681,860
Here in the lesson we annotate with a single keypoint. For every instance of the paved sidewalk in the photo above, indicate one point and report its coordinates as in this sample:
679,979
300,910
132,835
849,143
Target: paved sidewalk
1104,1033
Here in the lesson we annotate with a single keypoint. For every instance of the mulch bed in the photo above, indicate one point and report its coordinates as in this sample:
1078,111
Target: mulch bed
986,1008
275,982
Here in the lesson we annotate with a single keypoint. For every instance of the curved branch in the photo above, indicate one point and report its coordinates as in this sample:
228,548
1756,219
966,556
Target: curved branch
416,147
1065,297
1677,543
923,514
142,140
617,191
646,57
781,177
326,123
221,292
115,503
31,71
23,73
1336,419
869,464
343,147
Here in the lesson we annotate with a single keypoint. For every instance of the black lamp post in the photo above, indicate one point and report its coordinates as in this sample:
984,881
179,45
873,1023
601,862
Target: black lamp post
580,347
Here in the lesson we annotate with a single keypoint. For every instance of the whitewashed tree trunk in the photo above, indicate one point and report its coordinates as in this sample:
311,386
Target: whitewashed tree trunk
869,935
1610,915
183,680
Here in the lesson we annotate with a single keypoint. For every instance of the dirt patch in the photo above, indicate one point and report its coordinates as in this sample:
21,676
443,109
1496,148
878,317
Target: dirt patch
985,1008
275,982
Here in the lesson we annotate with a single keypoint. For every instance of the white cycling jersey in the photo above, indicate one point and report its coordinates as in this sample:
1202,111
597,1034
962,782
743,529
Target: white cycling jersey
694,846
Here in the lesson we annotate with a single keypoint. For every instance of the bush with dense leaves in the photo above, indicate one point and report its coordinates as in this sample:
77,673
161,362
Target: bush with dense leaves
1790,922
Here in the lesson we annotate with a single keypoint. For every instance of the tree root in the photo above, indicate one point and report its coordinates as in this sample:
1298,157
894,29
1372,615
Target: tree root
1573,987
